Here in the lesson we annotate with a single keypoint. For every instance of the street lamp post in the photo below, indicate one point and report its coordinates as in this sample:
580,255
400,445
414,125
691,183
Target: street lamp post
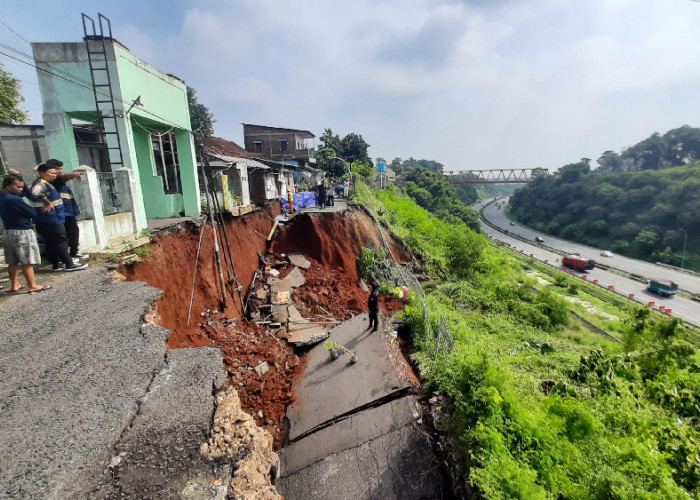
685,240
348,167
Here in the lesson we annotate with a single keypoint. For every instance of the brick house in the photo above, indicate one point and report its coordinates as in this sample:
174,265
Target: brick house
286,145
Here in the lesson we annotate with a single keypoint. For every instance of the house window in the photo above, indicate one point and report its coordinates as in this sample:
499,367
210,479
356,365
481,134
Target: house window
167,164
258,146
283,144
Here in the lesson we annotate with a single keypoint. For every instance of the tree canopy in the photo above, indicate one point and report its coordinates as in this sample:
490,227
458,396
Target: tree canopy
10,99
201,119
352,148
675,148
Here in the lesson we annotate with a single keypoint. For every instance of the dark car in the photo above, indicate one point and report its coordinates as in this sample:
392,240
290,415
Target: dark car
539,239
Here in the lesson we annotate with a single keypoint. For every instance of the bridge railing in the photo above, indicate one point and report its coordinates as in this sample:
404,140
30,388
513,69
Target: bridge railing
496,176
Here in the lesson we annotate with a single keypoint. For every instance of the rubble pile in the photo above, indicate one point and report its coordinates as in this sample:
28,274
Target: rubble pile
235,435
261,367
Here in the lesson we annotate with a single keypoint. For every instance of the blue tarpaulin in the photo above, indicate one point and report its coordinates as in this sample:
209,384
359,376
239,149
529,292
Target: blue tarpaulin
301,200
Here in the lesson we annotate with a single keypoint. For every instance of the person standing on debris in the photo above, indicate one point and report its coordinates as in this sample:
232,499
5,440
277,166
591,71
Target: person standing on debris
373,307
19,241
70,206
322,195
50,224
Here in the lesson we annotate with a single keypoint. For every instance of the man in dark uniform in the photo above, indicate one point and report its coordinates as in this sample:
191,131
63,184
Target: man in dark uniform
322,195
50,224
373,307
70,206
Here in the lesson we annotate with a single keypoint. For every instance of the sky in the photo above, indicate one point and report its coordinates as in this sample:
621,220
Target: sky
472,84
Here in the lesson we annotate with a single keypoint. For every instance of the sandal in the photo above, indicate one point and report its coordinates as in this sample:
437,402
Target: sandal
18,290
45,287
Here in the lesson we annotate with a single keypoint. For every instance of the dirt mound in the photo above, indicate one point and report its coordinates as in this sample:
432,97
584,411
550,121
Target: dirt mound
261,367
170,267
333,240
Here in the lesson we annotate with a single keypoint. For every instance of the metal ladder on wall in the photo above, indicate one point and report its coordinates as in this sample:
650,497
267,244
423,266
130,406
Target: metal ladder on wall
102,87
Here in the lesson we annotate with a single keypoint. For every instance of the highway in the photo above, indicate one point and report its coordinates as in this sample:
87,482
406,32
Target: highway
681,307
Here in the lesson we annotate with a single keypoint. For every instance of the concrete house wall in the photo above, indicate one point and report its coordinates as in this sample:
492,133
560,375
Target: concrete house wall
22,147
164,108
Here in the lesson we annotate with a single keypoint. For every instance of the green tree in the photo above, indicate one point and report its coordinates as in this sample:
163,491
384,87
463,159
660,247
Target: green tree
10,99
355,149
201,119
350,148
331,141
363,170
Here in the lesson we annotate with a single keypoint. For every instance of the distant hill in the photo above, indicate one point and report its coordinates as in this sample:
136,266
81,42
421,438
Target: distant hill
650,215
677,147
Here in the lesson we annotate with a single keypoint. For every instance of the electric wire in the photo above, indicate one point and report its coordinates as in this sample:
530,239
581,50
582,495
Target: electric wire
74,80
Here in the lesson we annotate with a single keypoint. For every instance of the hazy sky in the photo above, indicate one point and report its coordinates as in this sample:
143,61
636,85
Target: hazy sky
471,84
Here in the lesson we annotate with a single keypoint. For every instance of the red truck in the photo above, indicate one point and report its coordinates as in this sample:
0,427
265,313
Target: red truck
577,262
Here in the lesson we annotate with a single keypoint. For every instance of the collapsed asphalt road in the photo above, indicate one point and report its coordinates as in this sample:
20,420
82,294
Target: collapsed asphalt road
92,404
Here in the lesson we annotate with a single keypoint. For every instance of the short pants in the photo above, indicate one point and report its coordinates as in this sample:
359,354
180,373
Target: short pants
21,247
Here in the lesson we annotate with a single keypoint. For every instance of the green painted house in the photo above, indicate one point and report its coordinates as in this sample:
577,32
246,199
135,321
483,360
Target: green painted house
141,117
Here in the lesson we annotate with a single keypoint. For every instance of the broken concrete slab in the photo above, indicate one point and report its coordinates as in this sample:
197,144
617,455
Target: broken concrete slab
279,312
294,314
306,335
294,279
299,260
348,433
398,464
332,388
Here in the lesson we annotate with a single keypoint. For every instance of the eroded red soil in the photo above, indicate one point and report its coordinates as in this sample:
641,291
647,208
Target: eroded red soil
332,291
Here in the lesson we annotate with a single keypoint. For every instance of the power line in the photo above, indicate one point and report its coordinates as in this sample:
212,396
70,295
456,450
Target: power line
73,80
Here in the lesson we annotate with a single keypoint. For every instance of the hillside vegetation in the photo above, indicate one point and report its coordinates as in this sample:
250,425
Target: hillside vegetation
536,404
649,215
675,148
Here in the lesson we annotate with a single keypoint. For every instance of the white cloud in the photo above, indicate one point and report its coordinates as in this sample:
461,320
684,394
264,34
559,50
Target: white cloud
465,82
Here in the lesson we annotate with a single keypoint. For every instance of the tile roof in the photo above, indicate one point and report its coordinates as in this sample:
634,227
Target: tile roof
217,145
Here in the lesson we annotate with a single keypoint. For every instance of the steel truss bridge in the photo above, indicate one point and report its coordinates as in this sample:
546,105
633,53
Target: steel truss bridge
498,176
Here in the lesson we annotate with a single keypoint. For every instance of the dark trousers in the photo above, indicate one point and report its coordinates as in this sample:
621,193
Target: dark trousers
56,243
331,201
321,201
73,234
374,320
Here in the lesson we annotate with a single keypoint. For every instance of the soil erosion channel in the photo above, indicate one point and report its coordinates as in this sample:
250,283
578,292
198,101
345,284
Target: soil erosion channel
261,364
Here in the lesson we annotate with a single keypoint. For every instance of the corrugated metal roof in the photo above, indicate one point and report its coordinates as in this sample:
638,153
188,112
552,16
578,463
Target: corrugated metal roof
230,160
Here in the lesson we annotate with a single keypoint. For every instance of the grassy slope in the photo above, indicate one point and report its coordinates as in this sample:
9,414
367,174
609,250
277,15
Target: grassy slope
602,436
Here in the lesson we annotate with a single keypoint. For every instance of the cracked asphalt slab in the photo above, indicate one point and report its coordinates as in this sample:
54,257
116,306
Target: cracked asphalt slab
90,394
355,429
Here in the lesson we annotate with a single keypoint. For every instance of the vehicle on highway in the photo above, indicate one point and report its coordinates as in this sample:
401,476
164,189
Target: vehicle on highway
606,253
539,239
664,288
512,223
575,261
